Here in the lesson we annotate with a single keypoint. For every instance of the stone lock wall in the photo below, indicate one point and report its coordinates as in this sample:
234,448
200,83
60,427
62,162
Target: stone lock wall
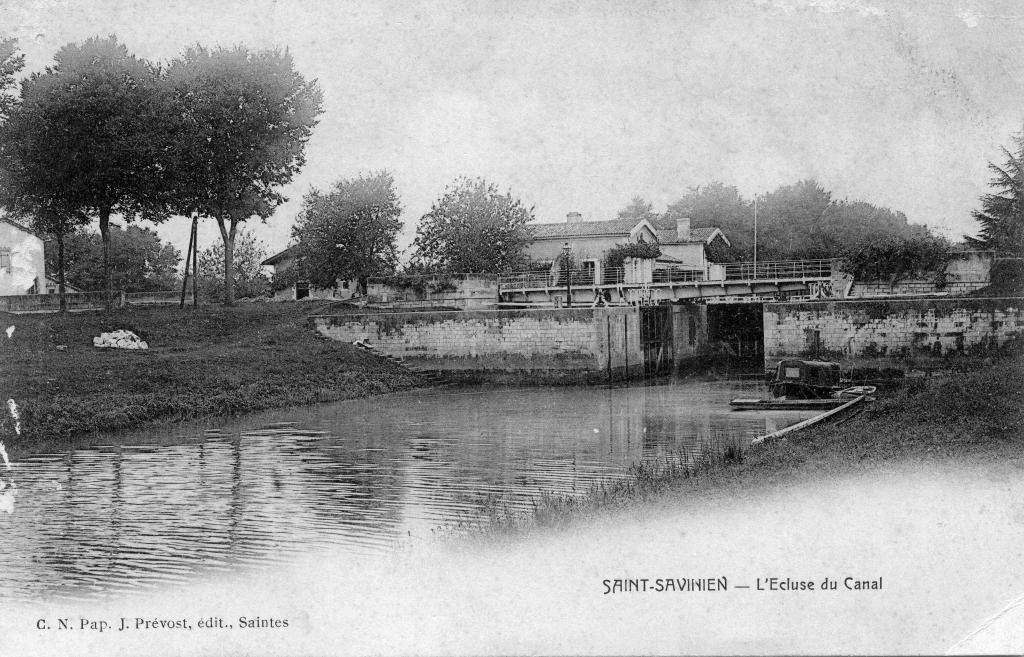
904,333
552,344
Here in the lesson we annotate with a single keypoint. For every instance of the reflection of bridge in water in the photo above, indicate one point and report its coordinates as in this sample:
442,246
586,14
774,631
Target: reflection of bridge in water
640,283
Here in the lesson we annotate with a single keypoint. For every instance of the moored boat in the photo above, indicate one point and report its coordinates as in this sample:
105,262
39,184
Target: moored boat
804,385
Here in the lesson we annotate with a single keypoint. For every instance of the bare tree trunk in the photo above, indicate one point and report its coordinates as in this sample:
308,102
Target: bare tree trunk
61,293
228,235
108,280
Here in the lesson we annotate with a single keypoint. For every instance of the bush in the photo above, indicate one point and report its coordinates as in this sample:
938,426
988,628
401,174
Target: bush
617,255
895,258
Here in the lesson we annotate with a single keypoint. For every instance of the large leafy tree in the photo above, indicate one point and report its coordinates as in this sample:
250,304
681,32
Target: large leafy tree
41,206
140,260
243,120
721,206
1002,213
246,268
11,63
89,138
349,231
473,228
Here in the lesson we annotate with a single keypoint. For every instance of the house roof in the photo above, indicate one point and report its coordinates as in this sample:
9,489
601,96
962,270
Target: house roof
279,256
8,220
665,229
583,229
667,233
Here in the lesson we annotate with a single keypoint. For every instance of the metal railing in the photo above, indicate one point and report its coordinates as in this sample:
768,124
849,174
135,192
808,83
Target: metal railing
771,270
677,275
613,275
782,269
542,280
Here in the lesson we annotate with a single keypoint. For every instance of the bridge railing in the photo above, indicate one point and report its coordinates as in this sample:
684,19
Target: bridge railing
525,280
780,269
539,280
613,275
677,276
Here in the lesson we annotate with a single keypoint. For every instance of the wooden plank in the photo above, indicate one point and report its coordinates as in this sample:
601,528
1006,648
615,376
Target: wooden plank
781,433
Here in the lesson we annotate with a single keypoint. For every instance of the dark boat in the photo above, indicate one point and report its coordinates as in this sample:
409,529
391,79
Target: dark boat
805,379
802,385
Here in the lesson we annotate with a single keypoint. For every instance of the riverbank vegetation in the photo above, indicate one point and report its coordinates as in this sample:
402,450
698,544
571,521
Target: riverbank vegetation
200,363
969,415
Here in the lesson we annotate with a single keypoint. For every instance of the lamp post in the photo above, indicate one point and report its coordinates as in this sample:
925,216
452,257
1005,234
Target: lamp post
566,254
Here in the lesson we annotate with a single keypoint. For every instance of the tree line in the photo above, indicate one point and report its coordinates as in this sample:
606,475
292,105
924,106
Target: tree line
214,133
349,231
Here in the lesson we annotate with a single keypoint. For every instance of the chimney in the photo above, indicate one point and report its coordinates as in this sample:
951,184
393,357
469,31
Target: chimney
683,229
573,218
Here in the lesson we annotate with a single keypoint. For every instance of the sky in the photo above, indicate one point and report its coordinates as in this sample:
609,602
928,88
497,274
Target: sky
579,106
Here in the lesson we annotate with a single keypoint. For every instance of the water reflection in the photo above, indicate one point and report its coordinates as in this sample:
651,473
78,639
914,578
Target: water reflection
360,475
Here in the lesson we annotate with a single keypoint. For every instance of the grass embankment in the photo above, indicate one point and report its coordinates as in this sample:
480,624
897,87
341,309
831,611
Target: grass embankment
201,362
970,415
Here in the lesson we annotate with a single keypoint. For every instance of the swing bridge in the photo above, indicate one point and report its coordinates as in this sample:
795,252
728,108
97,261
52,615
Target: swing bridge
639,283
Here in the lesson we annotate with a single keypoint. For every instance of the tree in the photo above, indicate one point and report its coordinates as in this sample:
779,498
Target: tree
21,194
140,260
473,228
638,209
798,221
243,120
249,279
1002,214
11,63
87,138
721,206
349,232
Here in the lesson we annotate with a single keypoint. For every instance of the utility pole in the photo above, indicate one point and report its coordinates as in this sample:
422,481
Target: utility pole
185,271
755,236
566,254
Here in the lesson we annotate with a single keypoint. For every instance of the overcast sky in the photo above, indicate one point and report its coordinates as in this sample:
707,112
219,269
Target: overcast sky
577,106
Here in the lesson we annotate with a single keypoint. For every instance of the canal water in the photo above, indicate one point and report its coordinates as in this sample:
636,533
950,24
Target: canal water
175,504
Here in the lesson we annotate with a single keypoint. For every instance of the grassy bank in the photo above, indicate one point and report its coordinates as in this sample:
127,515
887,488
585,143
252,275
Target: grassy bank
206,362
972,415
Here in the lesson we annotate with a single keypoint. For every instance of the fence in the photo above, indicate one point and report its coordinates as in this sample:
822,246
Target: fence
21,303
781,269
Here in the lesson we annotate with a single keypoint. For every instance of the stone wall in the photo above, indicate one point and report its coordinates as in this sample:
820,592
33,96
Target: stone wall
901,333
548,344
462,291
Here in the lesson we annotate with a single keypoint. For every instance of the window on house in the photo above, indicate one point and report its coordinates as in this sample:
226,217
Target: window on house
301,290
344,285
5,259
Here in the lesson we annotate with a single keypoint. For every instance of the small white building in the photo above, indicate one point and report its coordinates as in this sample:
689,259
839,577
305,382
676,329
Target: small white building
22,262
284,260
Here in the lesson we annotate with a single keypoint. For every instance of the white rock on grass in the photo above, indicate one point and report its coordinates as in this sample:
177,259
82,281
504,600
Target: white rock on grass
120,339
